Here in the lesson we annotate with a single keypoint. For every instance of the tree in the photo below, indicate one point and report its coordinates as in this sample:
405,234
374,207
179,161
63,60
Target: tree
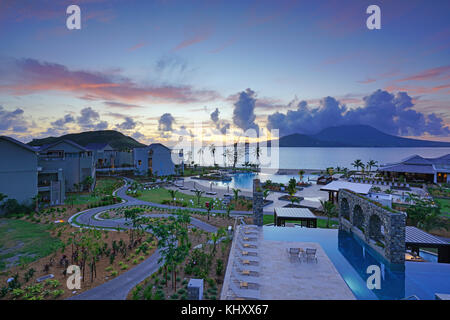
236,194
212,149
370,164
292,191
3,196
200,152
172,193
358,164
425,214
36,200
292,184
330,171
266,193
300,174
87,182
329,209
198,194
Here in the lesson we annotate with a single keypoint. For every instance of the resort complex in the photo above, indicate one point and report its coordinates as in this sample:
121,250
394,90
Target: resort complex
240,233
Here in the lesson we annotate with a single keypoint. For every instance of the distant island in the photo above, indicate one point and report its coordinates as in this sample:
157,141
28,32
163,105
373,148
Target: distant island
115,139
354,136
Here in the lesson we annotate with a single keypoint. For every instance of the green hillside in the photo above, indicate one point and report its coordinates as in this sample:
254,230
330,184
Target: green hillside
115,139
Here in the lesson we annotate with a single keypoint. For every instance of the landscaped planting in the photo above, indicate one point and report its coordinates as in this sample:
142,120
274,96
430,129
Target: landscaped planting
101,255
188,252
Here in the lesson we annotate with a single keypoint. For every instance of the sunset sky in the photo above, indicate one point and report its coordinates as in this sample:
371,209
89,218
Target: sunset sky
150,69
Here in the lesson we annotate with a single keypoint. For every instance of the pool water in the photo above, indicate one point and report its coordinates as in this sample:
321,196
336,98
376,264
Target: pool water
245,180
351,257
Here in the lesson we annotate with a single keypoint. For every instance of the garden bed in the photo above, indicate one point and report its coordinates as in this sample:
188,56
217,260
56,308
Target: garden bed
203,263
27,288
288,198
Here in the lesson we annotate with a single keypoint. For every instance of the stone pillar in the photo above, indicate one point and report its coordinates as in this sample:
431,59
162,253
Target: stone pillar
395,239
258,202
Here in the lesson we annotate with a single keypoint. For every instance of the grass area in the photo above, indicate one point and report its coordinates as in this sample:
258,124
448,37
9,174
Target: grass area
108,185
104,186
23,242
161,195
444,204
321,223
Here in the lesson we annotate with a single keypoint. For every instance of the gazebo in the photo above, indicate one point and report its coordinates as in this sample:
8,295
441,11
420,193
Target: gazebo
416,239
304,215
333,188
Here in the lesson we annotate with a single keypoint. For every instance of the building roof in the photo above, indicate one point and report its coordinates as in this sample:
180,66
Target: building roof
294,213
411,168
418,164
416,160
97,146
417,236
18,143
361,188
76,145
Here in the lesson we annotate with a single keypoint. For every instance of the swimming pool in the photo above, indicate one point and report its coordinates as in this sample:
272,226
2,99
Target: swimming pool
245,180
351,257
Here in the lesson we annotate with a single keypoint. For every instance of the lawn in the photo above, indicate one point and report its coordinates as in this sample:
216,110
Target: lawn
103,186
321,223
161,195
445,205
23,242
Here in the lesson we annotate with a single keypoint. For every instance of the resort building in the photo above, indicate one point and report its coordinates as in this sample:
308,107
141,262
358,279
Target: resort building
18,170
69,163
103,153
157,160
419,169
106,157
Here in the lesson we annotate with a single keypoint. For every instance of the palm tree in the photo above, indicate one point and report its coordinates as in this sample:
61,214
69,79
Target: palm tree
370,164
198,194
329,209
236,194
358,164
212,149
3,196
201,151
172,194
300,174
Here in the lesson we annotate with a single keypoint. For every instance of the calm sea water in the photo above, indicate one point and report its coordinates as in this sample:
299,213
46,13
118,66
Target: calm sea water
321,158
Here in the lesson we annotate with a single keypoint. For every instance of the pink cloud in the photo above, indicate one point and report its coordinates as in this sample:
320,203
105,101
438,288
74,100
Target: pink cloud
137,46
192,40
439,73
31,76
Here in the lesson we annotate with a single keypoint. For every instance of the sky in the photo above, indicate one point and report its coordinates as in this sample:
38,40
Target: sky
154,70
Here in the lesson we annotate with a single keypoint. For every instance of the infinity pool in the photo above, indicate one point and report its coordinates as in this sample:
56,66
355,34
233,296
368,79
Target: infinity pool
351,258
245,180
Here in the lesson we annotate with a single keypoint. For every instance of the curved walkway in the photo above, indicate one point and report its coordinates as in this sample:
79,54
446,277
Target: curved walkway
119,287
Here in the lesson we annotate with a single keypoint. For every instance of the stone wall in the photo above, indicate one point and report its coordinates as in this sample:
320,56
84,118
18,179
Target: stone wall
375,218
258,203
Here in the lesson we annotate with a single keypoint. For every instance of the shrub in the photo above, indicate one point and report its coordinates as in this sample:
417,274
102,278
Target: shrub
57,293
219,267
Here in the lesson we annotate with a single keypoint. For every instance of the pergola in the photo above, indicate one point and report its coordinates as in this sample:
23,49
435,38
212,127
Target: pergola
304,215
333,188
416,239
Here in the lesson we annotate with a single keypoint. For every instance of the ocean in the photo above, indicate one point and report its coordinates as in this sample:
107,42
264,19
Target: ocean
321,158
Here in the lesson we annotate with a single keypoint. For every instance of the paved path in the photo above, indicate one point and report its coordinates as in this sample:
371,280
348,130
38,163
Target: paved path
119,287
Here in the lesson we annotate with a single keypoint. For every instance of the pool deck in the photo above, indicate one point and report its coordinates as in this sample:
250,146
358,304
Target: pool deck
281,279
